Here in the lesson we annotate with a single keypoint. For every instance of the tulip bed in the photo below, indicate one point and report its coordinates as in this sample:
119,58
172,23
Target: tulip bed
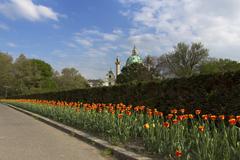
173,135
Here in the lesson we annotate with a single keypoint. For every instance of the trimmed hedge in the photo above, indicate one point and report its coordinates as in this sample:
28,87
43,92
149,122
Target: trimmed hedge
217,93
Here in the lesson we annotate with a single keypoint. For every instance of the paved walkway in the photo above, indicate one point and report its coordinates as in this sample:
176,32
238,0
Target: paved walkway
24,138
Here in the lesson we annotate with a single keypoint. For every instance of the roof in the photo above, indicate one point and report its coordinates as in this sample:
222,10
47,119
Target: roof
134,58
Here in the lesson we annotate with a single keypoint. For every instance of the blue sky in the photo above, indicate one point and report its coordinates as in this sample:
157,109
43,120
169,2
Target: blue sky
89,34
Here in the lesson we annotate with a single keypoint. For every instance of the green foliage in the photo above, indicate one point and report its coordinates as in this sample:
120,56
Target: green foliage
217,93
44,69
133,73
183,61
29,76
33,75
70,79
6,73
219,66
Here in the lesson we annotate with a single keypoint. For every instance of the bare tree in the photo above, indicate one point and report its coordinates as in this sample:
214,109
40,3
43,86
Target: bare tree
184,60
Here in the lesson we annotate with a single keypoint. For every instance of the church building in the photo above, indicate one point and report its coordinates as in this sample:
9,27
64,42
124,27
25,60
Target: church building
110,77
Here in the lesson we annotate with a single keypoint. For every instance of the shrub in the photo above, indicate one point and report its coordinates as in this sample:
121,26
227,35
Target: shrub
216,93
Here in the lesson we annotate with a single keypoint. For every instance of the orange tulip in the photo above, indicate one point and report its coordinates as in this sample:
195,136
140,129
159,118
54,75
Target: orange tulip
128,113
185,116
213,117
205,117
174,111
122,110
232,121
190,116
150,114
169,116
238,118
141,108
178,153
181,117
136,108
120,116
160,114
197,112
149,110
166,124
175,121
201,128
222,117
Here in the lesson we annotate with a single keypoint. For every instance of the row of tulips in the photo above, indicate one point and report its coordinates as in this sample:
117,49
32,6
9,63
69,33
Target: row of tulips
176,135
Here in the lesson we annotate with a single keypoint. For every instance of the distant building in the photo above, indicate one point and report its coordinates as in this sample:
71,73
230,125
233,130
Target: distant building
110,78
118,66
134,58
95,82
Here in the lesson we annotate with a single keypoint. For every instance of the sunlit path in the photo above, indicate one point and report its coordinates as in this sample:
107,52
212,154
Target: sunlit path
24,138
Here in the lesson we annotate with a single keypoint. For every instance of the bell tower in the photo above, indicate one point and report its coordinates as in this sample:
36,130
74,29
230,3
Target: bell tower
117,63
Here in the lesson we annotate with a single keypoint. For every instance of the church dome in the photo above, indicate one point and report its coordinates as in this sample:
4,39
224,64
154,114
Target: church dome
134,58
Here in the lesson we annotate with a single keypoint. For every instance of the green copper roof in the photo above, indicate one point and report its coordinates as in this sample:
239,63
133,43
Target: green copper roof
134,58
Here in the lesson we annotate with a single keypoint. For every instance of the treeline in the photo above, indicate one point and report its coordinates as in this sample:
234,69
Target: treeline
183,61
29,76
186,60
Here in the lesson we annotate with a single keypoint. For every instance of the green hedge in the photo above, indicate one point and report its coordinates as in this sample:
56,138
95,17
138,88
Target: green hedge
218,93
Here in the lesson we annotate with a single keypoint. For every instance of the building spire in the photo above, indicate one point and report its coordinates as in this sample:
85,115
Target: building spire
117,63
134,51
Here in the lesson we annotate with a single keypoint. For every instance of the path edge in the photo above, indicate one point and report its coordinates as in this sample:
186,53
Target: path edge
118,152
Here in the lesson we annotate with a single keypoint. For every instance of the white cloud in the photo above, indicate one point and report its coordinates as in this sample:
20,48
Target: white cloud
97,43
213,22
83,42
93,38
110,37
71,45
95,34
26,9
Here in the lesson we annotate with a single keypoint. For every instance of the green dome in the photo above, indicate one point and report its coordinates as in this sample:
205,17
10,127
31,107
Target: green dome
134,58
